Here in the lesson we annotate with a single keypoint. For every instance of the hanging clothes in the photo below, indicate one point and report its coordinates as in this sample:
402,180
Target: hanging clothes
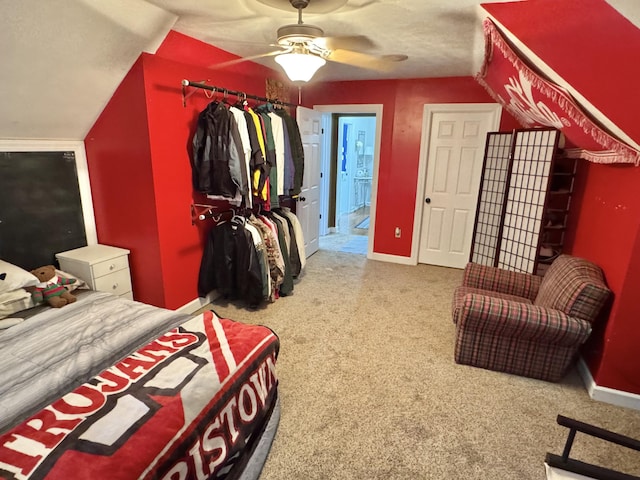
297,152
277,127
257,148
249,158
288,166
245,142
274,257
210,157
297,232
230,264
263,261
260,172
294,255
286,288
245,155
270,157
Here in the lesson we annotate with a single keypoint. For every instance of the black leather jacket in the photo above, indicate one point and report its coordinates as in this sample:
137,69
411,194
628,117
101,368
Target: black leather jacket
230,264
211,152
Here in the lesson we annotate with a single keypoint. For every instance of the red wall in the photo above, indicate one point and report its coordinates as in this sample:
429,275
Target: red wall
590,45
139,165
403,105
121,176
606,231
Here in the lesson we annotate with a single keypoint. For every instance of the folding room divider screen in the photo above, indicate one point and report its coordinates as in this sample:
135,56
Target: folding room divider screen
493,186
514,213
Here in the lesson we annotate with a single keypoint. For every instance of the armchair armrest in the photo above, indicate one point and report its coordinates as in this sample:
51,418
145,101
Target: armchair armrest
506,318
502,281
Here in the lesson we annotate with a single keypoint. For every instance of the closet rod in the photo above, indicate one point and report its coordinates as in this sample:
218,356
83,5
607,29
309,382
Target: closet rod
188,83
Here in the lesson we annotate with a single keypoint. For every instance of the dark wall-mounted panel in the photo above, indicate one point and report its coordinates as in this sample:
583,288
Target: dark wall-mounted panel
40,207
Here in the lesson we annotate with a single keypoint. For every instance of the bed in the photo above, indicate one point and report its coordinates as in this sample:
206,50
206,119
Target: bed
111,388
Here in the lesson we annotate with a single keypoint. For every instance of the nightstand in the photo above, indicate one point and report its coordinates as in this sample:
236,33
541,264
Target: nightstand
104,268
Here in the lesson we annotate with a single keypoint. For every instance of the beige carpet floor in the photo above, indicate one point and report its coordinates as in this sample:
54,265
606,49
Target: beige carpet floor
369,388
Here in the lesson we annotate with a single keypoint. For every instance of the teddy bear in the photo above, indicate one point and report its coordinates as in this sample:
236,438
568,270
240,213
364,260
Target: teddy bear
51,287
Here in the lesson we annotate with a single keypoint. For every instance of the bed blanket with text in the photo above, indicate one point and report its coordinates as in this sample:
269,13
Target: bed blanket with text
188,405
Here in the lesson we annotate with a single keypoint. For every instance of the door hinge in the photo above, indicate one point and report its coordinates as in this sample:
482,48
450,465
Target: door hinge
322,131
320,174
320,216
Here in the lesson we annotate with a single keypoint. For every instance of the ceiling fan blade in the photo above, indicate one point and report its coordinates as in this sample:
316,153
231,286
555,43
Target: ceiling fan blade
246,59
347,42
357,8
362,60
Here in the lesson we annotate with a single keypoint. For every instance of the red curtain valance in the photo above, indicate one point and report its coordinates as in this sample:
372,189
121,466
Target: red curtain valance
535,101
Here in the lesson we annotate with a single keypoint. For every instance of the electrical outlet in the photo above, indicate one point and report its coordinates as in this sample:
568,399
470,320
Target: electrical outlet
398,232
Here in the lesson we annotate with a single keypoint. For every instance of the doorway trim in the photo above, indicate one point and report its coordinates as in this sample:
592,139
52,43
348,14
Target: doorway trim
427,115
375,109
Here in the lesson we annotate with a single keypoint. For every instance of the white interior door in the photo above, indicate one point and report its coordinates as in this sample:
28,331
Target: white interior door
455,136
308,208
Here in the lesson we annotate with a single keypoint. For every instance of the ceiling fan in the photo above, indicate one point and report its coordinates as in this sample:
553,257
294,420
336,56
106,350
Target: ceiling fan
303,48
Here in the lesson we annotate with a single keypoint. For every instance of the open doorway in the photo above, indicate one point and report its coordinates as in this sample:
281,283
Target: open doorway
350,175
328,154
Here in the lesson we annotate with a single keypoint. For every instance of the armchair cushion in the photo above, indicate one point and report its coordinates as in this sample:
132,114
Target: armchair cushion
574,286
501,281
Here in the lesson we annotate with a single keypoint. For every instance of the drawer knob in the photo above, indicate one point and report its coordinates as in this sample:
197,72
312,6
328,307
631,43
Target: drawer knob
115,286
112,266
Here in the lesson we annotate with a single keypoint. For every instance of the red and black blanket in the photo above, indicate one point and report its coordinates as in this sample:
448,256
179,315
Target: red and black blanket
188,405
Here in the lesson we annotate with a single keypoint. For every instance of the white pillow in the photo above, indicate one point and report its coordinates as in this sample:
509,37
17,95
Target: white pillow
13,277
14,301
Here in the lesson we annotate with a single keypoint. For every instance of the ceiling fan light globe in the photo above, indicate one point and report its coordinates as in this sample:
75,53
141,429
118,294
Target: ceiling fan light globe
300,67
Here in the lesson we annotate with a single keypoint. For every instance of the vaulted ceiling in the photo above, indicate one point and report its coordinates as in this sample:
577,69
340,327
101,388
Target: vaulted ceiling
63,59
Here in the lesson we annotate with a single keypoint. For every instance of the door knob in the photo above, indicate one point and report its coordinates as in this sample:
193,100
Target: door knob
302,199
427,200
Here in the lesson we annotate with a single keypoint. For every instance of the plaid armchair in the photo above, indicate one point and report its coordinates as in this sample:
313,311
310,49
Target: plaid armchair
525,324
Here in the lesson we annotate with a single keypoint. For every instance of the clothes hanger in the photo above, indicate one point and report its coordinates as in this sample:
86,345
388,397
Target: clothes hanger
238,219
225,97
242,101
212,94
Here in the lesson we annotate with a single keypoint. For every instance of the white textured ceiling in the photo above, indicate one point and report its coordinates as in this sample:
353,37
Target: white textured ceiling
441,37
63,59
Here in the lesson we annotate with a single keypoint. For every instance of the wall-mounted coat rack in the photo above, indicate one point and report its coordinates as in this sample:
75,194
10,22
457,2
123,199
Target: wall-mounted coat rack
225,91
203,212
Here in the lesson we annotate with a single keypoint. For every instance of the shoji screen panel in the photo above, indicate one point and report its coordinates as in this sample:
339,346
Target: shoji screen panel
533,154
493,187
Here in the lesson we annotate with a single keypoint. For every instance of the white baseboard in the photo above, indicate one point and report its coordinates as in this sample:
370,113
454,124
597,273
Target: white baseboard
384,257
606,394
193,305
197,303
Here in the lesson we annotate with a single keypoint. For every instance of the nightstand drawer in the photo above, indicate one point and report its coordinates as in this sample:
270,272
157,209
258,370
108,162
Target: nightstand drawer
117,283
110,266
